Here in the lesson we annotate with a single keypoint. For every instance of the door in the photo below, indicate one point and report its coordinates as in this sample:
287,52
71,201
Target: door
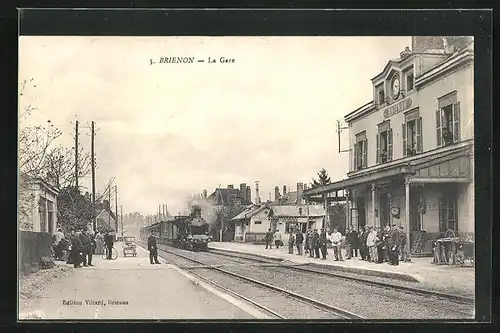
384,210
415,215
360,205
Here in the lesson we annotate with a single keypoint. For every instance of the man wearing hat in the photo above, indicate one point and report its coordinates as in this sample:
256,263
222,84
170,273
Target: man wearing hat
394,244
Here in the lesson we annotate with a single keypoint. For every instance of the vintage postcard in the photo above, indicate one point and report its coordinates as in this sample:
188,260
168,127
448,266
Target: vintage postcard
246,178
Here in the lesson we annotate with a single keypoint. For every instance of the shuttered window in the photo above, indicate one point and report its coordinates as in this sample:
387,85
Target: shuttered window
439,130
355,157
389,144
378,149
419,135
403,134
365,154
456,122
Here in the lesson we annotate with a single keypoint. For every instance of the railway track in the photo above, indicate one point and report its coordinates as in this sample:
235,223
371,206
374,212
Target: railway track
348,291
290,305
353,277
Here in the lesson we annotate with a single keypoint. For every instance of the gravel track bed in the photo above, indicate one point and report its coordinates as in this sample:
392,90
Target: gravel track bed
426,285
367,301
396,282
287,306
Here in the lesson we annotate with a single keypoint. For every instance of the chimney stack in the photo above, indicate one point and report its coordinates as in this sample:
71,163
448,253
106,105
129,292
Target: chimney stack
204,194
249,194
230,186
300,193
257,198
276,193
284,190
243,190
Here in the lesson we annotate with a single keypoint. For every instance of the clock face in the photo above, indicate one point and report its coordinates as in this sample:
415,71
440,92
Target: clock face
395,87
394,211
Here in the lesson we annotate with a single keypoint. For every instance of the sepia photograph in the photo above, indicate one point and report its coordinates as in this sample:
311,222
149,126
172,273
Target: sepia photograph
246,178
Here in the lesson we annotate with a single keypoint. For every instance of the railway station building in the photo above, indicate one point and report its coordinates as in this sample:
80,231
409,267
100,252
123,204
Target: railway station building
411,148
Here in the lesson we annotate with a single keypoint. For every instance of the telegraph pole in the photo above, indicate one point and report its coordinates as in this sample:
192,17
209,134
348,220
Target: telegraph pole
76,154
109,207
159,212
93,171
116,208
121,219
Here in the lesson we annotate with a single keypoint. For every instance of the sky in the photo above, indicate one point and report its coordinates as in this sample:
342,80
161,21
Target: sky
167,131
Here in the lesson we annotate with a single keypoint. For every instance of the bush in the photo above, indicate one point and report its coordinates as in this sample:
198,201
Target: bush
47,263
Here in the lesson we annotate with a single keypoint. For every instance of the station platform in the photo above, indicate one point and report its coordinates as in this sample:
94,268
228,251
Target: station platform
129,288
444,278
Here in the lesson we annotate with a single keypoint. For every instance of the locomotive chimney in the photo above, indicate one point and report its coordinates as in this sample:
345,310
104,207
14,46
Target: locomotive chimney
257,198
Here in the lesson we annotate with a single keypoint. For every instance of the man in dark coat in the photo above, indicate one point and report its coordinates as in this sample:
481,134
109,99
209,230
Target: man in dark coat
350,241
299,239
380,246
269,239
316,244
402,241
322,243
393,245
87,248
363,246
108,241
75,255
153,250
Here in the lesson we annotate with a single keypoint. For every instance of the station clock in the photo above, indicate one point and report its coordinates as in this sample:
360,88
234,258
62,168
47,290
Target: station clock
396,86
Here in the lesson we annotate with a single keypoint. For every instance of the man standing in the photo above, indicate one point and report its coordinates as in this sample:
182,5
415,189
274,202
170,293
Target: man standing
277,239
299,239
57,237
87,248
322,243
315,242
336,238
309,243
269,239
153,251
75,256
108,241
380,246
363,246
291,242
387,232
349,243
402,241
371,241
394,244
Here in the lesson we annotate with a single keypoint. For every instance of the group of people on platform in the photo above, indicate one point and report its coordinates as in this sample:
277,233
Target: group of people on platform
373,244
80,245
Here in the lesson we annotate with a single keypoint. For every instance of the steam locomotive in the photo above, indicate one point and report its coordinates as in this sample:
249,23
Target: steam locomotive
189,232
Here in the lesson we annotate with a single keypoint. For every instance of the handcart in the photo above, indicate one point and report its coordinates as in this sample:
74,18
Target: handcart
129,246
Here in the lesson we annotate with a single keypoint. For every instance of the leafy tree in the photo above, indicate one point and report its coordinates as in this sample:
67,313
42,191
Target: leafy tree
74,210
323,179
60,166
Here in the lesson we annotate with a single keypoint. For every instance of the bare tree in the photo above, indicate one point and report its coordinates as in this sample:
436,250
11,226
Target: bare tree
60,166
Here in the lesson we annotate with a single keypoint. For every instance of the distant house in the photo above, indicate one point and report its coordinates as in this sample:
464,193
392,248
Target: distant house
105,218
231,201
37,203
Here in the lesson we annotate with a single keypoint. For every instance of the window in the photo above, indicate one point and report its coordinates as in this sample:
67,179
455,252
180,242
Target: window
50,210
412,133
448,212
380,94
384,143
258,222
448,120
41,212
408,73
360,152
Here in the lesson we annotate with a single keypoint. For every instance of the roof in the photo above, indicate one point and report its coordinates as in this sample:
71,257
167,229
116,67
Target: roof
249,212
228,197
297,210
288,199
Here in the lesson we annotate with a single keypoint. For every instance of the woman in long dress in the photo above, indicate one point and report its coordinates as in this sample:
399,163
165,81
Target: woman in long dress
99,241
